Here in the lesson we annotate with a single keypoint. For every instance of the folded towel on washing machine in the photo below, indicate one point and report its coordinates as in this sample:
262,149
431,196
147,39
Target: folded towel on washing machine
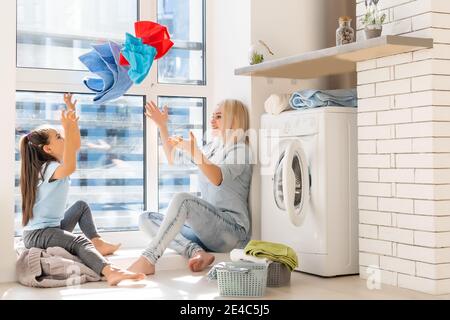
237,255
277,103
323,98
273,251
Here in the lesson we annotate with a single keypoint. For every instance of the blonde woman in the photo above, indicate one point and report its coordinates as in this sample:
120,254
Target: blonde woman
219,220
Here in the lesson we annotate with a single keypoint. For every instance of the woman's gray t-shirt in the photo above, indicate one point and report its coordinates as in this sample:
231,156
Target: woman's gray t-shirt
235,162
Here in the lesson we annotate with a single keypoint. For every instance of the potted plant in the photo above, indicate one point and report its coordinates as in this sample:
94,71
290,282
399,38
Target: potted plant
372,20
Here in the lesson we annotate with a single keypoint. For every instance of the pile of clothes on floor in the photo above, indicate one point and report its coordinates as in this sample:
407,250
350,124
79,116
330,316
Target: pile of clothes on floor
310,98
51,268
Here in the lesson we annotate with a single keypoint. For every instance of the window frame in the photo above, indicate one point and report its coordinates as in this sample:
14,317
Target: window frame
57,80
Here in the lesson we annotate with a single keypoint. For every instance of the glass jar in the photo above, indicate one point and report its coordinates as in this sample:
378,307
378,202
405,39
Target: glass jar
345,33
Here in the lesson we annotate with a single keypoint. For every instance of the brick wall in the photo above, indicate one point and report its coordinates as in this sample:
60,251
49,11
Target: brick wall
404,152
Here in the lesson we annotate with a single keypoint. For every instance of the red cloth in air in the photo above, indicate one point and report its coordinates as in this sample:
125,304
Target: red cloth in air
152,34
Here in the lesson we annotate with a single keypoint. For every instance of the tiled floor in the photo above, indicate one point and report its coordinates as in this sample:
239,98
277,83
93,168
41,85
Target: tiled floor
171,283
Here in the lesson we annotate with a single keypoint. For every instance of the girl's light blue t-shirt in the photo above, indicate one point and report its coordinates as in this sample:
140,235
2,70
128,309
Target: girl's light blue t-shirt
51,198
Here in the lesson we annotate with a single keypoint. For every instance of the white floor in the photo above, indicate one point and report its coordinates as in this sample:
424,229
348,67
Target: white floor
173,281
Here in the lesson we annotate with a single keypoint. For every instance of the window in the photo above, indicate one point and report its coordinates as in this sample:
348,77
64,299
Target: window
110,173
52,34
184,64
119,173
185,114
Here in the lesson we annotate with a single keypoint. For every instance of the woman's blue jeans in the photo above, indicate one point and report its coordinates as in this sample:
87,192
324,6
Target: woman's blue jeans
189,225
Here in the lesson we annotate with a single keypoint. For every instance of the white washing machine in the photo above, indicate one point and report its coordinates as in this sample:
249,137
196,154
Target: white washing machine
309,187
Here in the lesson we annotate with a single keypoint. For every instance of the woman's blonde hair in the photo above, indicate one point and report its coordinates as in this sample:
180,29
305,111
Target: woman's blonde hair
235,119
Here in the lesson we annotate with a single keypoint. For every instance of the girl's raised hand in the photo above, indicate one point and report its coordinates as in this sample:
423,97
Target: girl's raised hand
68,101
159,117
69,119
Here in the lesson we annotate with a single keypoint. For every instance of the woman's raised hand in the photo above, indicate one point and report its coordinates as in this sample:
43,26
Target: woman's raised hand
189,146
160,118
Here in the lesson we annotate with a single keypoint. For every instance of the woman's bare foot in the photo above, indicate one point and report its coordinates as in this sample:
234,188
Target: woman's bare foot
200,261
142,265
104,247
114,275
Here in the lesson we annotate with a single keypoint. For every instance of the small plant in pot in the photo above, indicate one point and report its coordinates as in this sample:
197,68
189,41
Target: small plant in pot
373,20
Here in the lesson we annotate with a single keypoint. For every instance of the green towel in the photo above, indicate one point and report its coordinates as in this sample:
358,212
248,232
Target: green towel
273,251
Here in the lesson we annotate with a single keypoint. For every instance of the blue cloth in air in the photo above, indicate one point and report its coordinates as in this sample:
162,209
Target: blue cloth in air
113,80
322,98
140,56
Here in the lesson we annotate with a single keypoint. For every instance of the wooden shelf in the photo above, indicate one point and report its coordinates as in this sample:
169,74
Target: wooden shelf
335,60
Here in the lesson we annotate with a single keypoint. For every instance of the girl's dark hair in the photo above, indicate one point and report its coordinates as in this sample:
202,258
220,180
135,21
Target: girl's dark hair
33,158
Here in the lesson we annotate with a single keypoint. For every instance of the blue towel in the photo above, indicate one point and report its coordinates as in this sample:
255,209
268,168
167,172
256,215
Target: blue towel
323,98
113,80
140,56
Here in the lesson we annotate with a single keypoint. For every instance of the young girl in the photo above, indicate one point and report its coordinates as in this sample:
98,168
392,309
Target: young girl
47,162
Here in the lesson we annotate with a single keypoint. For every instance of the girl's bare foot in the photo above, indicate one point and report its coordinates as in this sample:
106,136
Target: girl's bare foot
104,247
200,261
142,265
114,275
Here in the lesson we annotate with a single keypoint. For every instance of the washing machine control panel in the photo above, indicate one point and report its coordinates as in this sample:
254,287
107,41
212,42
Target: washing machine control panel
292,126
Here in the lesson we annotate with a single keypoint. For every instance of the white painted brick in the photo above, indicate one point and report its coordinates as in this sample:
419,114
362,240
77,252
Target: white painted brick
366,65
441,66
425,161
433,271
423,129
394,60
398,27
394,116
367,203
396,205
375,132
431,113
375,75
441,98
366,91
429,286
416,99
375,218
393,165
440,6
439,35
431,82
367,147
397,265
368,231
436,176
394,146
367,118
368,175
414,130
396,175
440,51
396,235
411,9
422,21
423,191
414,69
423,254
423,54
374,161
423,223
391,3
432,239
375,104
431,145
433,208
375,189
393,87
369,259
375,246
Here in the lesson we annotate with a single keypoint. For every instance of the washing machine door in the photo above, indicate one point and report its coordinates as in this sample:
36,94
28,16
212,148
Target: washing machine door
291,183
